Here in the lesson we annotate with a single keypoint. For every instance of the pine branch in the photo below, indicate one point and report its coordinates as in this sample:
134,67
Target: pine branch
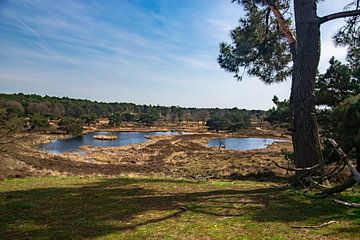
333,16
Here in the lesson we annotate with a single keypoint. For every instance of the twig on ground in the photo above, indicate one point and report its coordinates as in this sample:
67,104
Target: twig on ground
316,226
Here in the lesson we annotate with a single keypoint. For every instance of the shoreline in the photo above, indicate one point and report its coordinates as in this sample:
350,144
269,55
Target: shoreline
184,156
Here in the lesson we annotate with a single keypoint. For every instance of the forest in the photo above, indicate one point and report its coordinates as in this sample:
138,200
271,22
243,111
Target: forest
40,109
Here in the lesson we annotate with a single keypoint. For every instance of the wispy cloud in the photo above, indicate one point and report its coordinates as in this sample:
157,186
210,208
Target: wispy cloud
159,52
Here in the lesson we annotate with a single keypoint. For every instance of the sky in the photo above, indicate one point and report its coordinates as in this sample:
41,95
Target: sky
159,52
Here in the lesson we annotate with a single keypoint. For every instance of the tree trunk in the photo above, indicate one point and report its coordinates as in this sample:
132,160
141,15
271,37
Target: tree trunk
306,142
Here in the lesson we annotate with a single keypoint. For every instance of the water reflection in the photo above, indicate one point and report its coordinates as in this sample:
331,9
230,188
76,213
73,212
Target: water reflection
123,139
242,143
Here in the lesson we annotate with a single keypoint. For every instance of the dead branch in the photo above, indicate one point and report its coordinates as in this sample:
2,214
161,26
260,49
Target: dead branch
347,204
296,169
340,188
344,157
316,226
283,25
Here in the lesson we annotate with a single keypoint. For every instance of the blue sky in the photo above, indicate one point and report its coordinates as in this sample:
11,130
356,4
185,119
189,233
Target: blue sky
143,51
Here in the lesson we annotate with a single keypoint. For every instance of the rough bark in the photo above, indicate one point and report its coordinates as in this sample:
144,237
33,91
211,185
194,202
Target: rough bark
306,141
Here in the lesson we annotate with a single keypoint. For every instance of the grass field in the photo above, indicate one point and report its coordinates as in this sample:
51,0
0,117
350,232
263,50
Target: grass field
148,208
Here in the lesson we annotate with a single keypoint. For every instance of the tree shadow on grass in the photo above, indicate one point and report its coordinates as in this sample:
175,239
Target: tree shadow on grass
116,205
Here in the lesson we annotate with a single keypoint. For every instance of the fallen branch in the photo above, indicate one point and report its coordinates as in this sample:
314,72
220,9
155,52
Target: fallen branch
340,188
316,226
344,157
296,169
347,204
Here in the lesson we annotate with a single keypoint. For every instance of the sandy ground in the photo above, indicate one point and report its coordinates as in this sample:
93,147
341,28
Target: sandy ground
175,156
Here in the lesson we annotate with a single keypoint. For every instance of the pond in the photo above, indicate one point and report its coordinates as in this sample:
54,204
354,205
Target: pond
123,139
242,143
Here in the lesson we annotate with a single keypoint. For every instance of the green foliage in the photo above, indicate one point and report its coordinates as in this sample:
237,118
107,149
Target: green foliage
349,36
71,126
217,122
231,120
88,111
39,122
337,83
257,45
148,118
128,117
345,120
89,118
280,114
237,119
115,119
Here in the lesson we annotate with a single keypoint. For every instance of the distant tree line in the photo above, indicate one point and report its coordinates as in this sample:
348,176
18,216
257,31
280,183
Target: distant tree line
70,114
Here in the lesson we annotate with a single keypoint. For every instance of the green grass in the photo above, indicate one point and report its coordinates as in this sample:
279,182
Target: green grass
147,208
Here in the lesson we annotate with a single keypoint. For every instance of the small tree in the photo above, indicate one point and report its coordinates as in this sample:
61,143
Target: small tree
237,120
338,83
89,118
71,126
39,122
217,122
115,119
345,121
128,117
264,44
280,114
148,118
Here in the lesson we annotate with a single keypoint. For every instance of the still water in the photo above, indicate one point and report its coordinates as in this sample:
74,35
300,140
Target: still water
242,143
123,139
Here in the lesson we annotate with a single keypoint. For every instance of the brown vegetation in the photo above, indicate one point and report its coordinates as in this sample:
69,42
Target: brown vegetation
105,137
175,156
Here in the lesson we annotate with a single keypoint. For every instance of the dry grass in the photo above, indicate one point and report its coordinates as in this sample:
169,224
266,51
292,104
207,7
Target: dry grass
173,156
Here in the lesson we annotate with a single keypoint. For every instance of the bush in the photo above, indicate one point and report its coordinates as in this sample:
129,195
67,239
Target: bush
115,119
89,118
218,122
148,118
345,121
71,126
279,115
128,117
39,122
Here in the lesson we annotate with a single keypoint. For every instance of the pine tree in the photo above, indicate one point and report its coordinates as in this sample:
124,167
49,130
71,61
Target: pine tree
264,44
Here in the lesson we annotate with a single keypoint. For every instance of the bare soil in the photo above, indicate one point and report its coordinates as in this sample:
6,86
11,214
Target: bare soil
174,156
